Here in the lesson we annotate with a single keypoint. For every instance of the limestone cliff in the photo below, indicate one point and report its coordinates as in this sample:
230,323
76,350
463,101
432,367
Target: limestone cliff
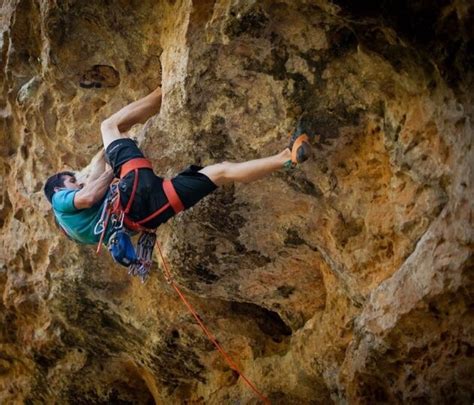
349,280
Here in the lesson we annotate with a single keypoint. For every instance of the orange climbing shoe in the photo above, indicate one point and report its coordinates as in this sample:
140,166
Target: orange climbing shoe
300,149
300,145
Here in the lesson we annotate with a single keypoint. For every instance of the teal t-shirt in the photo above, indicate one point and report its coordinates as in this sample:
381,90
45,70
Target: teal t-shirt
79,224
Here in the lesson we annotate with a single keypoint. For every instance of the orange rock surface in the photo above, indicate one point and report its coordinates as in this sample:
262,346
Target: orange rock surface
348,280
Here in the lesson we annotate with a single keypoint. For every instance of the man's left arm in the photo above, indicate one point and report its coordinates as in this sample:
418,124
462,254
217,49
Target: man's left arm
93,191
98,166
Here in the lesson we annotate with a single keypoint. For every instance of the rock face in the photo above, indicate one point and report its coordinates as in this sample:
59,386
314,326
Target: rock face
348,280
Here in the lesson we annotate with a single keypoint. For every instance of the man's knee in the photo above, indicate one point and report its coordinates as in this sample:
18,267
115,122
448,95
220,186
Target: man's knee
225,170
219,173
110,132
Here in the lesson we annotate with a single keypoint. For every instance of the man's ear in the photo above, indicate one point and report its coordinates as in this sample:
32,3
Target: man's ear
56,189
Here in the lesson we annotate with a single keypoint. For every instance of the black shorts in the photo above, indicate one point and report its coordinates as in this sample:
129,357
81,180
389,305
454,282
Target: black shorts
190,185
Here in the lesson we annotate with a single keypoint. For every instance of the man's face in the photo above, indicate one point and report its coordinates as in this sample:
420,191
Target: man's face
71,183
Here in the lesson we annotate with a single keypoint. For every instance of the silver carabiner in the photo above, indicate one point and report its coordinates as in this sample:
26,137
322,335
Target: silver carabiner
120,221
99,225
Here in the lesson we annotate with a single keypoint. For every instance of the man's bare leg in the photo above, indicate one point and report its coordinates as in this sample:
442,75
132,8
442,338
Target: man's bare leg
246,172
137,112
222,173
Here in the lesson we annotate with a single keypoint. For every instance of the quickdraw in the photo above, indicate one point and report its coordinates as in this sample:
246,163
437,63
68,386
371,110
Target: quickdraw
106,215
145,245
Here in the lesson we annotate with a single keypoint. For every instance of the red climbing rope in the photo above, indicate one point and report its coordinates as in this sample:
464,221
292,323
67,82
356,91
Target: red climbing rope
226,357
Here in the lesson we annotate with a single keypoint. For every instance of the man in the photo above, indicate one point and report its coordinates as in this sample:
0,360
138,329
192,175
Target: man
79,207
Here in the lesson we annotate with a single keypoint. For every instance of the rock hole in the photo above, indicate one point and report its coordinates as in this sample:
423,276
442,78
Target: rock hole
43,361
22,261
20,215
342,41
299,183
24,152
204,274
293,239
38,186
285,290
269,322
434,310
100,76
251,23
5,210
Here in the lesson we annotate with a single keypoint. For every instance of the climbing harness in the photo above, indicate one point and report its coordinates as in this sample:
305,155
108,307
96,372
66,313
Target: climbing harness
139,260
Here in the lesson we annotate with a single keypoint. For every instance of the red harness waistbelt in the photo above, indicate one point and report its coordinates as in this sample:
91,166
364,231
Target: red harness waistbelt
134,164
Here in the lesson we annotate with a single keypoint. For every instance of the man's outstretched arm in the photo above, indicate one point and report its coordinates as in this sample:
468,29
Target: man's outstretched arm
93,191
135,113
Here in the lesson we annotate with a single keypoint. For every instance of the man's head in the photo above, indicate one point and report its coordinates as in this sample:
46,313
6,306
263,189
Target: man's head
58,181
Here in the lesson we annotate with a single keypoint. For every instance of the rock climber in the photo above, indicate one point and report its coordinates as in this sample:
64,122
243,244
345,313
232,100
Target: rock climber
144,199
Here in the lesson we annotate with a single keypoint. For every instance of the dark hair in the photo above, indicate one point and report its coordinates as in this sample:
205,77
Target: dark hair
56,180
